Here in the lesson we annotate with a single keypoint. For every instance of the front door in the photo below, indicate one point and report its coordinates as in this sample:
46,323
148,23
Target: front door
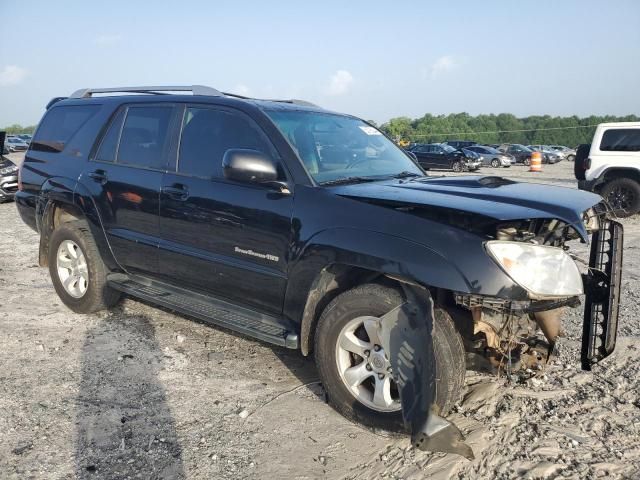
220,237
124,178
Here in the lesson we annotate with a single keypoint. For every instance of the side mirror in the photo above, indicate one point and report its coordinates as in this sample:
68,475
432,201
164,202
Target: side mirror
249,166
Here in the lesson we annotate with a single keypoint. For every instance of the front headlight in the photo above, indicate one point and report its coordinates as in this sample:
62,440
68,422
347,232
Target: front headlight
542,270
591,220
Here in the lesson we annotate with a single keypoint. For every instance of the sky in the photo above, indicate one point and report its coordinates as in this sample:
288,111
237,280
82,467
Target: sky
373,59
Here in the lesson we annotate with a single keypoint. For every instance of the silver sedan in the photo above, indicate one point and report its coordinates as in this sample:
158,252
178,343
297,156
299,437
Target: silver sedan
492,157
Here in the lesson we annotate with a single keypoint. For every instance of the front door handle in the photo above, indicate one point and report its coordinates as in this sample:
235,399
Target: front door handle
99,176
176,192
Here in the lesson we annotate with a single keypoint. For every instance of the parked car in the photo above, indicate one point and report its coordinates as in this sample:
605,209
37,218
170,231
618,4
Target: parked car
492,157
548,155
445,157
460,143
610,166
25,137
312,230
15,144
569,153
520,153
8,179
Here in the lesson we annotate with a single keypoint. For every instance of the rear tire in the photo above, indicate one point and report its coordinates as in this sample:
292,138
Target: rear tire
623,195
376,300
571,158
86,289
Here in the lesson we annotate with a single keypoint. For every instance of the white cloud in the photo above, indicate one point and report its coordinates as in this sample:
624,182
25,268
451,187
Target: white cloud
12,75
443,64
340,83
107,40
241,89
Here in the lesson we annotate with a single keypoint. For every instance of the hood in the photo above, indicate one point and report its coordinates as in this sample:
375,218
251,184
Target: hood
494,197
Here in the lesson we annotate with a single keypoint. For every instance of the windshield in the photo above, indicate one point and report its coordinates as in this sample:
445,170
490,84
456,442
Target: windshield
334,147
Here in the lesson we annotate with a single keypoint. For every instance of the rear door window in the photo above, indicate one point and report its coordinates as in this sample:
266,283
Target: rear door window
144,141
59,125
621,140
109,144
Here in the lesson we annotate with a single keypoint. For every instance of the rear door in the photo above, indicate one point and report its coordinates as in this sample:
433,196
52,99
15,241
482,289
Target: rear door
223,238
124,177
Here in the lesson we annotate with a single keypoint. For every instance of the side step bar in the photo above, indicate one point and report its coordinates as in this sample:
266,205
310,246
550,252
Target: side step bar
209,309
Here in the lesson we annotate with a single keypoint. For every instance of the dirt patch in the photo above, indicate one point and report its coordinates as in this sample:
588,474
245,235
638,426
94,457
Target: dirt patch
142,393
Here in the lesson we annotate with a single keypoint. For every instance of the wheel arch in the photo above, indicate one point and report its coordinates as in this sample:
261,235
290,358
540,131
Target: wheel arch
329,266
58,204
614,173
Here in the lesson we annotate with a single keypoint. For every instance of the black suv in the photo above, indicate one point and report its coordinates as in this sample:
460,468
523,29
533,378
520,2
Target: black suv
445,157
312,230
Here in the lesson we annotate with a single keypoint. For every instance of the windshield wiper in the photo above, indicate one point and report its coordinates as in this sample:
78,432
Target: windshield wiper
406,174
346,180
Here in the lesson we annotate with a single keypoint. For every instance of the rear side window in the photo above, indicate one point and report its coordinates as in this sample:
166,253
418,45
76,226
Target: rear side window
208,133
109,145
59,125
621,140
144,139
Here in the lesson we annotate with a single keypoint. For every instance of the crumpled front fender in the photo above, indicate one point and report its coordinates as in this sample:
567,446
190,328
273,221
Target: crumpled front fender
406,333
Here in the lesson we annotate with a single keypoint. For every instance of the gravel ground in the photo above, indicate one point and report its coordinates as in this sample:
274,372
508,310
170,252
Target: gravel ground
142,393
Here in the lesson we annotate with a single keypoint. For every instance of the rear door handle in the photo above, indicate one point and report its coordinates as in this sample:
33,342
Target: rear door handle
99,176
176,192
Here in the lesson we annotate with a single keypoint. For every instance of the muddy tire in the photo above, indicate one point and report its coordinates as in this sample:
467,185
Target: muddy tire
78,273
375,300
623,195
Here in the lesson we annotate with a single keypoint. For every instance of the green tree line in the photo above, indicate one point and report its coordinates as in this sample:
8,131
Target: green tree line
502,128
15,129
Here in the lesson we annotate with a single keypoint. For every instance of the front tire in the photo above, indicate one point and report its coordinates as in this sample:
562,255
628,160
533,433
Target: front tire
495,163
457,167
78,273
526,162
345,326
623,195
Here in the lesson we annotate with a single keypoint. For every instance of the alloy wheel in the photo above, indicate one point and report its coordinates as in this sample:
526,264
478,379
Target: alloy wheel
621,198
72,269
364,366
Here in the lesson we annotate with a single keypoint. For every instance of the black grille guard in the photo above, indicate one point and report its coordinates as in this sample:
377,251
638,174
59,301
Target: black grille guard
602,294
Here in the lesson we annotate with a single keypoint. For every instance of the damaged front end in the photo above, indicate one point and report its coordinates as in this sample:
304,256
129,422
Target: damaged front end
502,334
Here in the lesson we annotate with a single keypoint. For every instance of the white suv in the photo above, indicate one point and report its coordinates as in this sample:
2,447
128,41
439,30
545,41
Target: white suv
610,166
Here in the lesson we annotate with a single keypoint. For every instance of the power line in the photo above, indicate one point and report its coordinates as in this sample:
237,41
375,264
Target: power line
503,131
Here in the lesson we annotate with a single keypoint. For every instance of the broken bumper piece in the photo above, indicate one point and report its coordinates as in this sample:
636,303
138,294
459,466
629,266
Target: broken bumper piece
602,294
406,332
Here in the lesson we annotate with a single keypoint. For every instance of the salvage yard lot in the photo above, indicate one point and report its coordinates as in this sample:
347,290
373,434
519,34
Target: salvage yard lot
140,392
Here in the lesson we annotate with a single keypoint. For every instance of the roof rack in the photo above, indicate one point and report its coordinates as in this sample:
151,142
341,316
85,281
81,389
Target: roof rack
156,90
160,90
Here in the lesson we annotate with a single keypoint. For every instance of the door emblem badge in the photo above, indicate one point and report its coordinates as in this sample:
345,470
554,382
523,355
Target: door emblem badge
264,256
